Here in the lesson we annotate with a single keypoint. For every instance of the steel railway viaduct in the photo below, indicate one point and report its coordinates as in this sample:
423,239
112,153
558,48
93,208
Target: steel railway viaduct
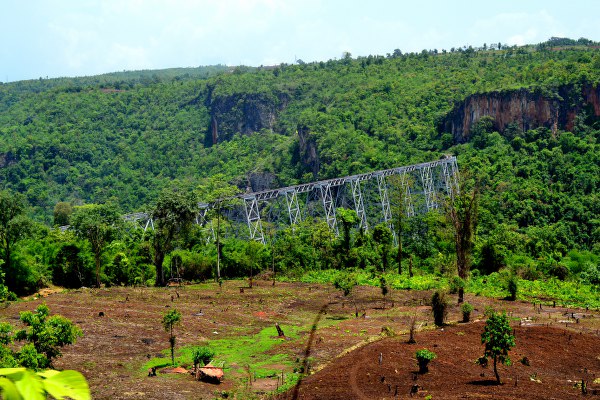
419,188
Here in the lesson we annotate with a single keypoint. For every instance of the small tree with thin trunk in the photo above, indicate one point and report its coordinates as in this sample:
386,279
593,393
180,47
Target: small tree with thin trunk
383,285
170,319
346,282
498,338
461,212
14,224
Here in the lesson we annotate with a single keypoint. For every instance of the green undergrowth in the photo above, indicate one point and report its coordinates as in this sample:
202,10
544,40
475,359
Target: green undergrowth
395,281
567,293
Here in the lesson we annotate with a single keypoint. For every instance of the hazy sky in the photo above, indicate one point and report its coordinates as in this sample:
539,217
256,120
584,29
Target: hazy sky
40,38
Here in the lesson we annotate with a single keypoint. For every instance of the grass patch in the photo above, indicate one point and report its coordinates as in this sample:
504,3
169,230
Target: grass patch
571,293
417,282
565,293
245,356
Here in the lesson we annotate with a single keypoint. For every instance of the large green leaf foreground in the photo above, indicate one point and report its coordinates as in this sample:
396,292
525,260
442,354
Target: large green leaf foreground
24,384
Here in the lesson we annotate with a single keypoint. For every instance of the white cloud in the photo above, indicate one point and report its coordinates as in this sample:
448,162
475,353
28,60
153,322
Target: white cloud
74,37
516,28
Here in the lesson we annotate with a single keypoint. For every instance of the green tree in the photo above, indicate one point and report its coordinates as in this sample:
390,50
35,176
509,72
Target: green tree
348,218
99,224
498,339
461,212
173,215
170,319
14,225
382,235
48,334
217,191
62,213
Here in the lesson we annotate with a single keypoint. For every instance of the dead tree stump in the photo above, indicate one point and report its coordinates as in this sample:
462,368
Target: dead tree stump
279,330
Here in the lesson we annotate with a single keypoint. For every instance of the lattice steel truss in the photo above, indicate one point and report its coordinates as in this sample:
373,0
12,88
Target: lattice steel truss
420,188
140,219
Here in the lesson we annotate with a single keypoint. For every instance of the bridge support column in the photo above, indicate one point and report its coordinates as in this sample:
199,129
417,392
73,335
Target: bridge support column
385,205
450,177
428,187
253,219
359,206
329,206
201,220
291,199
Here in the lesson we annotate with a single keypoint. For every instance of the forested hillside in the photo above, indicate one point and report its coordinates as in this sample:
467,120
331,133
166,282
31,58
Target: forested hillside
123,138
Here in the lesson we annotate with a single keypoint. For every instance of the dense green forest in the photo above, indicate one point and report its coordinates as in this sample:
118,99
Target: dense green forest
125,142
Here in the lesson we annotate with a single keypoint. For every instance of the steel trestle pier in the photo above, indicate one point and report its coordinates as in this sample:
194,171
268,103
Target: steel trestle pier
419,188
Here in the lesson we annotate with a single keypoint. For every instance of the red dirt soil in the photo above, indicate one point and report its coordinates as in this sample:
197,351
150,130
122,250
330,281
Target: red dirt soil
558,358
114,348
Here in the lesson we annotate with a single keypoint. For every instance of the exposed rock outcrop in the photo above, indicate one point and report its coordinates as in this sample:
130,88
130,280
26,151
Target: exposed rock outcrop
258,181
243,113
7,159
309,156
527,109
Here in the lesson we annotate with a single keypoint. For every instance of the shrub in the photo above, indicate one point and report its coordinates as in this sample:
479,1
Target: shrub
512,286
466,309
202,354
345,282
591,274
439,307
456,283
45,336
424,356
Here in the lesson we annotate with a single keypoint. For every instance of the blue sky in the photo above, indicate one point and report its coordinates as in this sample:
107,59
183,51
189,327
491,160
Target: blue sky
53,38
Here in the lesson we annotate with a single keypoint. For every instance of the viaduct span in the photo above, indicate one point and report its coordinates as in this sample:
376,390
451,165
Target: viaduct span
418,188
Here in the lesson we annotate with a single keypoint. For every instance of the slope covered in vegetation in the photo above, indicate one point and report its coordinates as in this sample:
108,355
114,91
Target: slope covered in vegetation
123,138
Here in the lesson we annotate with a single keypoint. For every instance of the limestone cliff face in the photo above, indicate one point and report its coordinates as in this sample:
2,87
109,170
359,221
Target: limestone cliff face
591,95
526,109
243,113
309,156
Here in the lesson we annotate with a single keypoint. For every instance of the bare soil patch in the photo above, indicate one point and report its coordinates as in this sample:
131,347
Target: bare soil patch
336,353
558,360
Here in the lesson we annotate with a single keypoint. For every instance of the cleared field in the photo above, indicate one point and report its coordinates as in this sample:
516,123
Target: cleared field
328,351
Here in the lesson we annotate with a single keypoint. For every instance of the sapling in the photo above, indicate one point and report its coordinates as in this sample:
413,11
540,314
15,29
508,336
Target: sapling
384,288
346,282
456,284
424,356
498,338
170,319
466,309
